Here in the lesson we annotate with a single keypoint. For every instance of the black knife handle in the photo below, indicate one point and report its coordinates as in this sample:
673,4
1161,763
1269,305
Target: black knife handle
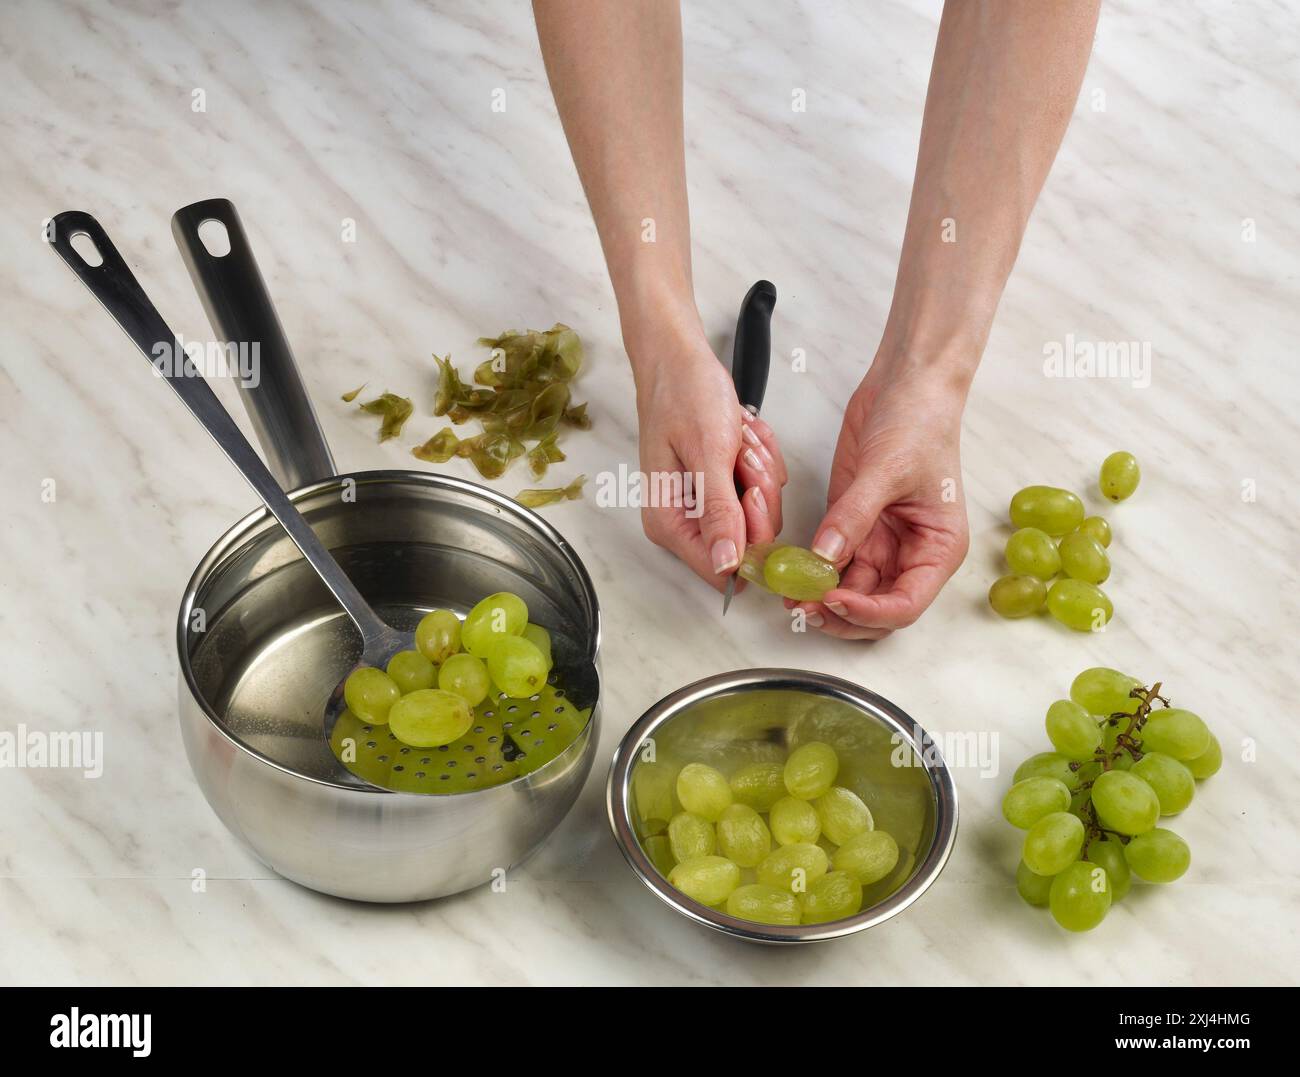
752,354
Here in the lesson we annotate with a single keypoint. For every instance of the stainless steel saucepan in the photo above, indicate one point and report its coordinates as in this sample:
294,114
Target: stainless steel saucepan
261,643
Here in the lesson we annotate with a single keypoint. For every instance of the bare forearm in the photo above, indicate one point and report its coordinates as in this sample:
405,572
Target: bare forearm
1004,82
616,73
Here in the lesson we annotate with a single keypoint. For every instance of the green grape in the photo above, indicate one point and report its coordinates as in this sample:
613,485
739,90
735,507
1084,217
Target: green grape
703,790
793,572
1098,528
835,895
1031,552
1080,896
743,837
1084,558
706,879
411,671
1105,691
652,790
1079,605
868,856
1017,596
516,667
810,770
794,821
1031,886
842,814
760,785
1124,803
1158,856
1048,765
541,639
467,676
1110,856
437,636
1053,842
1171,780
1174,731
1047,508
691,835
660,852
793,867
1072,730
1029,800
1209,761
370,693
498,615
430,717
1119,476
765,904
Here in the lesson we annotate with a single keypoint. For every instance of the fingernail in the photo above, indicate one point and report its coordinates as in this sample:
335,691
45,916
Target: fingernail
829,545
746,415
815,619
747,432
760,502
751,458
724,555
838,608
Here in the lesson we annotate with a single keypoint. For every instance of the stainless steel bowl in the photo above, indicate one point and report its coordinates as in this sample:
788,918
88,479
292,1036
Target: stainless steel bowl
741,717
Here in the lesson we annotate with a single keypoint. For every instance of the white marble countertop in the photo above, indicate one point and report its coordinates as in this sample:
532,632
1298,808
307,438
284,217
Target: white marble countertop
470,220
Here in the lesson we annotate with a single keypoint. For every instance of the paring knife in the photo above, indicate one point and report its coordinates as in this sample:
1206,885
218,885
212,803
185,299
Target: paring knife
750,357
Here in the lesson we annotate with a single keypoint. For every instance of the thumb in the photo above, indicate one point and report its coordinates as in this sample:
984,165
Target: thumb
722,520
850,519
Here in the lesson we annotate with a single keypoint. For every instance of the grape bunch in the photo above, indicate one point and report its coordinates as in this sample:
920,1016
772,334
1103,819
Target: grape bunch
477,693
774,844
1124,757
1057,555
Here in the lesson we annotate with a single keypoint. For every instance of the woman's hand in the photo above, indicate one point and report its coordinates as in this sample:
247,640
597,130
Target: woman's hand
692,423
895,525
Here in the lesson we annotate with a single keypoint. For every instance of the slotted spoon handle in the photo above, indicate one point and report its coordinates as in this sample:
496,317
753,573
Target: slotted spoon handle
114,285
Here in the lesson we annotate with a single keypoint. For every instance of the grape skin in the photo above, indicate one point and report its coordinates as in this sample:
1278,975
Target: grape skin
1098,528
799,574
466,676
1119,476
437,636
1124,803
370,694
430,718
1084,558
1029,800
1072,730
1053,842
1173,783
1080,896
1031,552
1104,691
1048,765
1017,596
516,667
1159,856
1077,603
1047,508
411,671
498,615
1176,732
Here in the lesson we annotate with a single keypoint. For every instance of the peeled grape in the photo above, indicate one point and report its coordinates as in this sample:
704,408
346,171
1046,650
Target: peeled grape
1159,856
430,717
690,836
660,853
1110,855
1048,765
1029,800
1031,886
794,821
868,857
1053,842
498,615
1097,528
437,636
1031,552
1017,596
1172,781
793,867
1105,691
541,639
743,837
1072,730
652,790
1124,803
411,671
800,574
760,785
370,693
1079,605
842,814
810,770
703,790
516,667
1047,508
707,879
1084,558
1209,761
1119,476
835,895
467,676
765,904
1080,896
1175,732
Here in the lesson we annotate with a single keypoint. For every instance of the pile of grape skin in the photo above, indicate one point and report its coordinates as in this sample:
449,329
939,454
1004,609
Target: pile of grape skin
722,833
1057,557
1090,808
